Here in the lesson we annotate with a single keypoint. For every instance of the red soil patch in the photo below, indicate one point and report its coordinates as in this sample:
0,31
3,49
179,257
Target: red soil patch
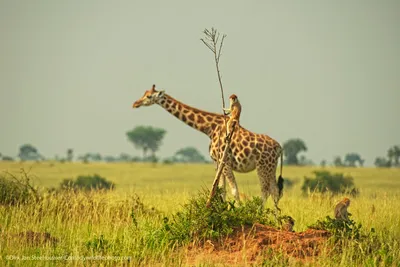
250,244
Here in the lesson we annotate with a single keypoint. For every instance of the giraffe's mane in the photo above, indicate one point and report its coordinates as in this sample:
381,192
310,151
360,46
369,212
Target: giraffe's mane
196,109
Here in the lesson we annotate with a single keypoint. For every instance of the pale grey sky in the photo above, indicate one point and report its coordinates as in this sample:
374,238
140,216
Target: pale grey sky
324,71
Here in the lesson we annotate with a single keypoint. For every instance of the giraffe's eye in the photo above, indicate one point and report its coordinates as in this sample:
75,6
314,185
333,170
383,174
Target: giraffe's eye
149,96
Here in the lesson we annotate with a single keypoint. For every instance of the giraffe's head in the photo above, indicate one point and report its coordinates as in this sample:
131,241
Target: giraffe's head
149,98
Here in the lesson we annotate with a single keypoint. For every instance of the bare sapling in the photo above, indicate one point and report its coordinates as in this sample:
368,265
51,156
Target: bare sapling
211,40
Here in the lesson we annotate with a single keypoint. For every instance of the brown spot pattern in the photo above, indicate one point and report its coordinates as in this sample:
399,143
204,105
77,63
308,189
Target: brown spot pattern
200,119
191,116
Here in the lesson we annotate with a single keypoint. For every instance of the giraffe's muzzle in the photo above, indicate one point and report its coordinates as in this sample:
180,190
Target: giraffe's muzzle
136,104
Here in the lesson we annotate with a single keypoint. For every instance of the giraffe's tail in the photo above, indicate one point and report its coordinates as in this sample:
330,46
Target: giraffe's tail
280,178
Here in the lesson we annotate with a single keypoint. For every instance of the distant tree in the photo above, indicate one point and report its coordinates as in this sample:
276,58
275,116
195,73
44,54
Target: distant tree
337,162
304,161
146,138
323,163
169,160
95,156
189,154
394,155
84,158
390,155
109,159
152,158
291,149
156,137
381,162
29,152
90,157
125,157
352,158
136,159
7,158
70,154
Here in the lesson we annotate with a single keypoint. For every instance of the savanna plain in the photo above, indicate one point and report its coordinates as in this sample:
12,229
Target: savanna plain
123,224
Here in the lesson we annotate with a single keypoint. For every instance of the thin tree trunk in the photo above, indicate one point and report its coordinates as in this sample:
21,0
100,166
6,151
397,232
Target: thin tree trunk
220,166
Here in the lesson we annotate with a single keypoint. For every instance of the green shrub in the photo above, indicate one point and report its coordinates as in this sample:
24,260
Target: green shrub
338,228
97,243
197,222
139,208
288,183
17,190
348,235
168,161
324,181
7,158
87,183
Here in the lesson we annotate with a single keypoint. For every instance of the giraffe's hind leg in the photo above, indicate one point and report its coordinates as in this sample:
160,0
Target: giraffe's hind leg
266,175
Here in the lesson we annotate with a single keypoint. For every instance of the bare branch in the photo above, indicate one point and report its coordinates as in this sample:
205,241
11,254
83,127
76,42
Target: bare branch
220,167
211,41
209,47
220,47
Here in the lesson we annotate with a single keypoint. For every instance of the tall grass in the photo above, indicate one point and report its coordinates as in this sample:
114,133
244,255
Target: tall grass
116,223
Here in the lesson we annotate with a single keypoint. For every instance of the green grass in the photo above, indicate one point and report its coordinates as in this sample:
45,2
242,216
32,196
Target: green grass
101,223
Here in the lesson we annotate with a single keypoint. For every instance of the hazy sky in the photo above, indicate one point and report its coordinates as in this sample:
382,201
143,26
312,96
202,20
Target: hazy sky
326,72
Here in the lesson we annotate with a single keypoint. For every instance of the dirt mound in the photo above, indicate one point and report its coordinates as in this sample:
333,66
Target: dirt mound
249,244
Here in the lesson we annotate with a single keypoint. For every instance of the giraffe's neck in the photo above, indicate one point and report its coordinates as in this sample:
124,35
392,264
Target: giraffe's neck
205,122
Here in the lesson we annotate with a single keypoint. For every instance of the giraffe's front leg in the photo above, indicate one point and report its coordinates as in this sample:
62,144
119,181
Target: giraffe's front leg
222,184
228,173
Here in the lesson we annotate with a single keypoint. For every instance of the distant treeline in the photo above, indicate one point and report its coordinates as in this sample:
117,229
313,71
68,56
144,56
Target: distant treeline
149,139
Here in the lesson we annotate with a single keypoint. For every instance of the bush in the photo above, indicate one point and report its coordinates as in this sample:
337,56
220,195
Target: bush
136,159
288,183
338,228
324,182
87,183
347,235
168,161
7,158
196,221
151,159
15,190
97,243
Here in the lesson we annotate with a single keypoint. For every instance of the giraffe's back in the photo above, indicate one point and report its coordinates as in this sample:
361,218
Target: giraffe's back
247,149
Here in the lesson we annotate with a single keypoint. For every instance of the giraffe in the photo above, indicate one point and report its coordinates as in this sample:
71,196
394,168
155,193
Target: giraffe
248,151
